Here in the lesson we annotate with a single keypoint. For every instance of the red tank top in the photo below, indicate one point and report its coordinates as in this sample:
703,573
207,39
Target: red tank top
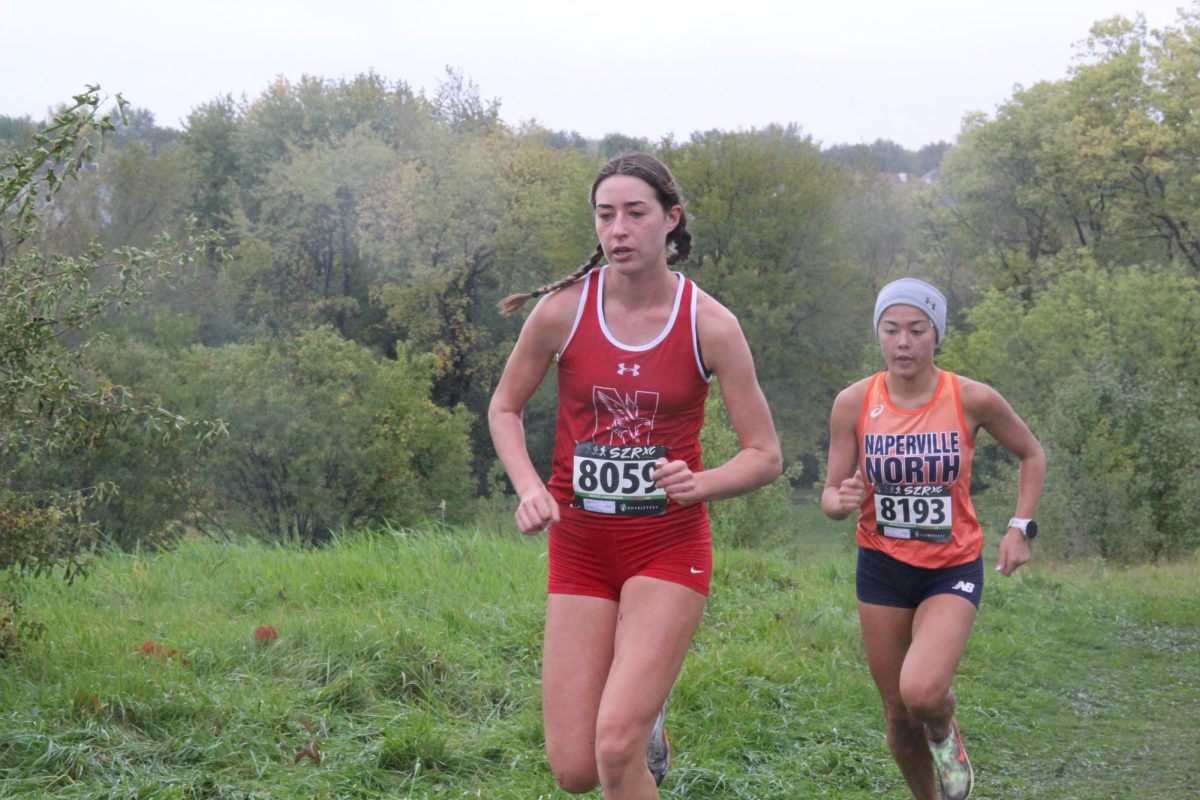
916,464
620,397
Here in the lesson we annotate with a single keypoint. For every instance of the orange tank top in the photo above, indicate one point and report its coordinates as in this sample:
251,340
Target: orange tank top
916,464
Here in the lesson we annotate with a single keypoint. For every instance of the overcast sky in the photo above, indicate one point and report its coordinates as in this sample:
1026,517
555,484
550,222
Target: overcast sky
845,72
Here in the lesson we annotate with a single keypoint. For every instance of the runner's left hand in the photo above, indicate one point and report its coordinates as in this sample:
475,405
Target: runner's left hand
678,480
1014,551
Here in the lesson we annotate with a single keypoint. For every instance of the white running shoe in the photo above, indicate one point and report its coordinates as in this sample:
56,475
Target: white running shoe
953,767
658,755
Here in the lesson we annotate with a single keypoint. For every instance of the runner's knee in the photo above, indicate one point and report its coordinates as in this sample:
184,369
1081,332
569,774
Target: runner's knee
618,747
576,779
926,699
574,773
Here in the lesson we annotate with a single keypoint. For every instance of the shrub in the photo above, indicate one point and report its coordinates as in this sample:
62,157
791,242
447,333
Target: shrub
1123,477
754,519
324,435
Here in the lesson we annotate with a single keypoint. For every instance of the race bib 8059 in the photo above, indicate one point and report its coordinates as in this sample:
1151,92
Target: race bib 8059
615,479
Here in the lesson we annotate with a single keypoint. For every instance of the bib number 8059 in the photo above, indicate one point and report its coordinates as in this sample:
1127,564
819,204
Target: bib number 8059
610,479
629,477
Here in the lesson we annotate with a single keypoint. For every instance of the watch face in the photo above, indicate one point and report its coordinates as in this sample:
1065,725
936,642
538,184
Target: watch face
1030,529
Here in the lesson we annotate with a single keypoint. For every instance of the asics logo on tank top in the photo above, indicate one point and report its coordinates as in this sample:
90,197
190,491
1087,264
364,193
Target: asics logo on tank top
628,418
632,370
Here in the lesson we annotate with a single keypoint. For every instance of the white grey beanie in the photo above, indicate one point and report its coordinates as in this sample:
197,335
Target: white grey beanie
916,293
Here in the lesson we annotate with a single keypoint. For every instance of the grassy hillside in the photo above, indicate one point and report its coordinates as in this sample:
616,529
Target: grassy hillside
407,666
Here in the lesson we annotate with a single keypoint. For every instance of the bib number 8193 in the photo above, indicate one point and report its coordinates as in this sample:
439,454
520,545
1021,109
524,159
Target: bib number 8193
913,510
902,513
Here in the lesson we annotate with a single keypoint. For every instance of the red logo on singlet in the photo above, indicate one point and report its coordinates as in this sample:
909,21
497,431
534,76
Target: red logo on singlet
627,419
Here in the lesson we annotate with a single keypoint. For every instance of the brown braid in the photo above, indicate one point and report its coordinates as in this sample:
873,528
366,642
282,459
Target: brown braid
656,174
514,302
679,242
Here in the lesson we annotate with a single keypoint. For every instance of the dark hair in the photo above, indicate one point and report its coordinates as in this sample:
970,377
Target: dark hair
656,174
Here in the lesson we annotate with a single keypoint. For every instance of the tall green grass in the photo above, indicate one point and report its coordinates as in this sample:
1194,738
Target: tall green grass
409,661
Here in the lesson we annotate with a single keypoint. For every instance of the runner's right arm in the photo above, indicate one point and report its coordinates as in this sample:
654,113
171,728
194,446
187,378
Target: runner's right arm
844,489
541,336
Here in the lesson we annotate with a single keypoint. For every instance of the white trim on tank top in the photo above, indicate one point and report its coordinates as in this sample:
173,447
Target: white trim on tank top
639,348
704,373
587,281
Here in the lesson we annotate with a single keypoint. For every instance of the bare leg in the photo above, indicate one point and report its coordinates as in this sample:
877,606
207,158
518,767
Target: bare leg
577,656
887,633
940,630
657,622
912,656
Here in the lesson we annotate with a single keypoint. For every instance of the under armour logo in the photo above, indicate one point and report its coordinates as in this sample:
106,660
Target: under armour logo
622,369
932,305
965,586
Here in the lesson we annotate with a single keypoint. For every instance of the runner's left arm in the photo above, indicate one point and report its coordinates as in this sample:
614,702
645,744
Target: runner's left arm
993,413
726,353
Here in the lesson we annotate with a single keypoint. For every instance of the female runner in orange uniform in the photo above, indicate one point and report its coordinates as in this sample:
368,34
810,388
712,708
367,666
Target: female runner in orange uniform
900,450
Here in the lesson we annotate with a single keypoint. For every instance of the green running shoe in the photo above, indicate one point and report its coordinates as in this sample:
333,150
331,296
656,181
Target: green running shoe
953,767
658,755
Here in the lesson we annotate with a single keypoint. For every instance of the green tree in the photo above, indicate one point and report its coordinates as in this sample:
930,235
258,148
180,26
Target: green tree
884,155
156,480
451,231
15,132
751,520
434,226
127,199
215,163
1124,466
614,144
325,436
50,399
1103,368
1103,162
288,117
998,191
766,211
301,263
1163,137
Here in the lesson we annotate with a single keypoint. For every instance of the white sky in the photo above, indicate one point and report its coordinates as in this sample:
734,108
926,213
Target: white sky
846,72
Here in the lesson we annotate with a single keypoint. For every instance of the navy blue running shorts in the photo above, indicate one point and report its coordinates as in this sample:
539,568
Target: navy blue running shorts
883,581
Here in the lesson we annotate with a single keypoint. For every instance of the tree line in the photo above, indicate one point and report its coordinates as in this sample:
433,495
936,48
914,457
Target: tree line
327,365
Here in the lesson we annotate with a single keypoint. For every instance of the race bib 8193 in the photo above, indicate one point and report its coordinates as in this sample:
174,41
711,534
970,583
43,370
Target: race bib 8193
914,512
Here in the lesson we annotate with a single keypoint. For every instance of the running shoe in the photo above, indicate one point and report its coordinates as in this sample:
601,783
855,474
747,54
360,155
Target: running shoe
953,767
658,755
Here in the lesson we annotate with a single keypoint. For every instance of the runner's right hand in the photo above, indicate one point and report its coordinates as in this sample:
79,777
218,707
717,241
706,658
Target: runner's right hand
850,493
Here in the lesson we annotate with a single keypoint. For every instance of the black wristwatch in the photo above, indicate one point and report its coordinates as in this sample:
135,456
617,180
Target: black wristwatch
1027,527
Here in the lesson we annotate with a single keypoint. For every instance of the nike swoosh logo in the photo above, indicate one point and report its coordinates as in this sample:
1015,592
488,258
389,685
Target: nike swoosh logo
696,571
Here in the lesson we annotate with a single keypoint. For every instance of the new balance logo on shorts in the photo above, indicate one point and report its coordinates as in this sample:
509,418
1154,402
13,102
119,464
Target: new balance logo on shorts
964,586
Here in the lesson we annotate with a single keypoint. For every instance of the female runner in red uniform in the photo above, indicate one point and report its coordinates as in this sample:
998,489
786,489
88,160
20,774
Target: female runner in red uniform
900,450
636,345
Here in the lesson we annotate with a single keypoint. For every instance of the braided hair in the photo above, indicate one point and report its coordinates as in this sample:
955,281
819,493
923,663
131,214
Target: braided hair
656,174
